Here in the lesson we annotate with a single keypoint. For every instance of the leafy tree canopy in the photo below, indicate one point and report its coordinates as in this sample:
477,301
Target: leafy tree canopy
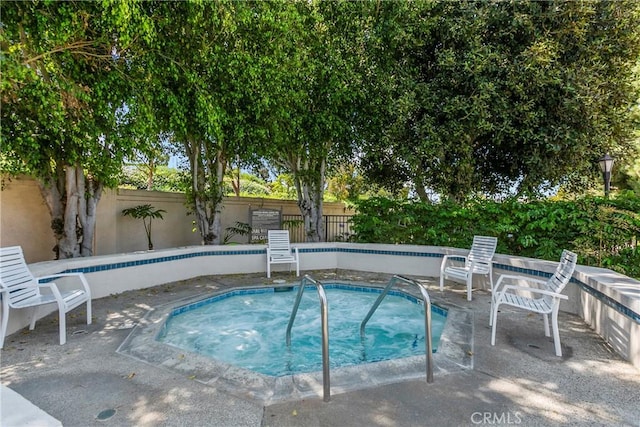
498,97
64,85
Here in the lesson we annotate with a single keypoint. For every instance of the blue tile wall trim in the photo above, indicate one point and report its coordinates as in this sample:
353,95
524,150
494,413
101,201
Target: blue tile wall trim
599,295
113,266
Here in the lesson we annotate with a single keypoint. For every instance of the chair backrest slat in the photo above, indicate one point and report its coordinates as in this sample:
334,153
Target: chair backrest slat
482,250
15,276
562,275
278,241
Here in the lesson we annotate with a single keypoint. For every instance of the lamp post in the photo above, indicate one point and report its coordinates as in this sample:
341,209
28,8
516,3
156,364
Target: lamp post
606,164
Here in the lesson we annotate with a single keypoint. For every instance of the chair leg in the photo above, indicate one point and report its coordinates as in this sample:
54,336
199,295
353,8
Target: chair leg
546,325
469,285
5,321
494,318
62,316
32,323
268,269
491,279
63,328
556,333
89,314
441,282
297,268
63,324
493,303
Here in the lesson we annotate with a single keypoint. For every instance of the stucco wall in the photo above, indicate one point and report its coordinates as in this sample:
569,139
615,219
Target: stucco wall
25,219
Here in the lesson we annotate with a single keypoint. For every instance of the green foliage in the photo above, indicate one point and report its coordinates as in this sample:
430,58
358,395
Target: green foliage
626,176
250,186
164,179
459,98
316,90
241,229
62,90
65,81
283,187
210,84
501,96
346,183
603,232
146,213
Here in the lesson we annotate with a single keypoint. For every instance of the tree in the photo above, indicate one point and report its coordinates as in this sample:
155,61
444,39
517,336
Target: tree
151,155
627,175
317,94
165,179
346,183
499,97
62,115
206,64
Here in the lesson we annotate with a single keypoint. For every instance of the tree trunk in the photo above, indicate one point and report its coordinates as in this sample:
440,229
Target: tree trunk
92,191
152,168
52,190
310,189
73,210
421,189
207,175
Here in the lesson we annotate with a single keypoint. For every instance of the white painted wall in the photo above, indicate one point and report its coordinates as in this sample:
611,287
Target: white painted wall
618,329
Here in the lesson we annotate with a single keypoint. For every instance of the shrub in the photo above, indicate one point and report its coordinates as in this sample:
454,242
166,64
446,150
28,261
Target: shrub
604,232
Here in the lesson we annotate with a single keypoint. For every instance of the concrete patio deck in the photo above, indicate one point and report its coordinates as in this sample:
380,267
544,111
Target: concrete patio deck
519,381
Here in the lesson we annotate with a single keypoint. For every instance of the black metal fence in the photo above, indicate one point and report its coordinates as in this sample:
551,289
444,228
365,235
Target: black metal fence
337,228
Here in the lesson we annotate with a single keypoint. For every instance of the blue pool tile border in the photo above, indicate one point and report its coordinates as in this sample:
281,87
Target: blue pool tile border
333,285
594,292
220,297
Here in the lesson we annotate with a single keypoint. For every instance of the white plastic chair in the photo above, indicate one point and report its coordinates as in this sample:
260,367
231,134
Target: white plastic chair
547,303
478,261
20,289
279,251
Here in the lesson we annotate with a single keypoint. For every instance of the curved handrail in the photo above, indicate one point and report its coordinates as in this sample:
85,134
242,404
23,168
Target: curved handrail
427,318
324,314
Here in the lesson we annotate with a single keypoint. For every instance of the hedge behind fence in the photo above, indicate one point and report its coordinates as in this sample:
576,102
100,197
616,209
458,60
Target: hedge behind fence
603,232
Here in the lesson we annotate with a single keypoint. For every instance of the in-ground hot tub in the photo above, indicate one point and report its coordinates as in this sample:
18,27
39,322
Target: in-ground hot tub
246,328
453,354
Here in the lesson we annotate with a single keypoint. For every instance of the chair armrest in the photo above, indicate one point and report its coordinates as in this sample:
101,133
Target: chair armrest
53,288
516,277
535,291
446,258
83,280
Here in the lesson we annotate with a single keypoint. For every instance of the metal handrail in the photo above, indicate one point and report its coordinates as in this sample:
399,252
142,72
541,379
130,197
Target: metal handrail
427,318
324,314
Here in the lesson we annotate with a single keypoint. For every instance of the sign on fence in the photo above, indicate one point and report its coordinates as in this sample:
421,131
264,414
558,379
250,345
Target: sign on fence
263,220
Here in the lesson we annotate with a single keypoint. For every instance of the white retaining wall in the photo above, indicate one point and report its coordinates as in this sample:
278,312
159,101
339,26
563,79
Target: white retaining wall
607,301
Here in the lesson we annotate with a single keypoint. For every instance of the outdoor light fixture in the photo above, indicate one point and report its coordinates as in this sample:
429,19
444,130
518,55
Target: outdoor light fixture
606,165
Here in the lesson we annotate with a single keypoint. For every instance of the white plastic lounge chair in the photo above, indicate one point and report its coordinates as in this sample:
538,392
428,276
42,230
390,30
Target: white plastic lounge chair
547,303
279,251
20,289
479,261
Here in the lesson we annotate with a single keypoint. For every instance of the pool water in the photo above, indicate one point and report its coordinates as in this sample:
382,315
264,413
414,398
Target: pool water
247,328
